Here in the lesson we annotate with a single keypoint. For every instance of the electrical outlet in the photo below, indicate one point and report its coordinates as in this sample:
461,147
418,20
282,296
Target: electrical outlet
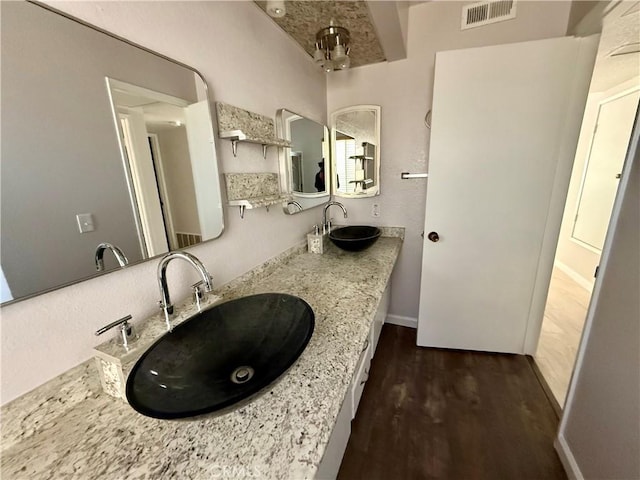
375,210
85,222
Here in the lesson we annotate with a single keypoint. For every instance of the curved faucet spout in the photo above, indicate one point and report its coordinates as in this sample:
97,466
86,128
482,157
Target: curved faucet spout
117,252
295,204
165,302
326,207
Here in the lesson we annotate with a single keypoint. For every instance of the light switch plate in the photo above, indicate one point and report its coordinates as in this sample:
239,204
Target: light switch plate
85,222
375,210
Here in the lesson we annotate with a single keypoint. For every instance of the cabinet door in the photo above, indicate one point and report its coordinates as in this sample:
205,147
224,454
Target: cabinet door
330,463
380,318
362,375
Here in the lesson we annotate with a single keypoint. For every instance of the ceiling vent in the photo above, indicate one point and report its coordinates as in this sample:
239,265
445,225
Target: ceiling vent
485,13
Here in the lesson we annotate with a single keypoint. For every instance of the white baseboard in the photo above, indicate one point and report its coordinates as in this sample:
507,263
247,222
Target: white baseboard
575,276
402,321
567,458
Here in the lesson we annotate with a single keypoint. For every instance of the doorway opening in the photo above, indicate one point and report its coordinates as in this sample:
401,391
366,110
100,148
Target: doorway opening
602,146
154,133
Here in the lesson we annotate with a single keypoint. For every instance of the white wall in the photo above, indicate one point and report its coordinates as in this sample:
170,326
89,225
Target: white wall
600,430
247,62
404,90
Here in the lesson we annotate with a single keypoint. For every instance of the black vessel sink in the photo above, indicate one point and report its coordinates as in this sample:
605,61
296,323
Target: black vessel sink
220,356
355,237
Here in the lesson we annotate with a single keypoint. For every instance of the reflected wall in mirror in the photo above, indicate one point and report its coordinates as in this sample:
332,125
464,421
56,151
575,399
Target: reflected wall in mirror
355,141
304,166
102,142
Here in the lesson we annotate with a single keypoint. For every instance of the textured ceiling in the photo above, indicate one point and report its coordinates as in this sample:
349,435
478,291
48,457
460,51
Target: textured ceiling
621,27
304,18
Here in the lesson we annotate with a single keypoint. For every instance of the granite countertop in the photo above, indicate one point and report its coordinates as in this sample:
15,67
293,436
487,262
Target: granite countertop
71,428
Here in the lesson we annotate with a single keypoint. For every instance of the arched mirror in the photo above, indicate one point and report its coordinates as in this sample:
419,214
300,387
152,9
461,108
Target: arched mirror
103,143
355,142
305,165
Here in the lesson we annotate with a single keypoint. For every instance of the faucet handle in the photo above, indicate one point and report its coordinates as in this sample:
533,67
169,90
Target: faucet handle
199,292
201,283
327,227
127,333
120,321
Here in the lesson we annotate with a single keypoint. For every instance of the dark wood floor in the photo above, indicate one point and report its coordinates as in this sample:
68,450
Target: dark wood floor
442,414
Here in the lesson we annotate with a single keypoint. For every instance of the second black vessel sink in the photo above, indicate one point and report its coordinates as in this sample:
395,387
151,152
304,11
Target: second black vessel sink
220,356
355,238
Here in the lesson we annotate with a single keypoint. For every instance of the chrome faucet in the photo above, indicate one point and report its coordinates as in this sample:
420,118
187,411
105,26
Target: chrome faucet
325,223
119,254
165,302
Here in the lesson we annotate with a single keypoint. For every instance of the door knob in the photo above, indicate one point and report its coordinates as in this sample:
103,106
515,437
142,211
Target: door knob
433,236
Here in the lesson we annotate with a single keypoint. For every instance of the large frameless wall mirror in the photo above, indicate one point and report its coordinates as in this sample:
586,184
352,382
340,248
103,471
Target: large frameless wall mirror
305,165
102,142
355,142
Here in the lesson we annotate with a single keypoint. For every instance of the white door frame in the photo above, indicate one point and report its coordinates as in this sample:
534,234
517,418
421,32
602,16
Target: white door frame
162,186
561,444
143,179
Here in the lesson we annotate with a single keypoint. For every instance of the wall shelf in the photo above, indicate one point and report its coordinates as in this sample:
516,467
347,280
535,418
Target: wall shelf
254,190
240,125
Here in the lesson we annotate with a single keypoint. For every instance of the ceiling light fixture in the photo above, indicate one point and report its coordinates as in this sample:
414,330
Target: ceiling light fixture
276,8
332,48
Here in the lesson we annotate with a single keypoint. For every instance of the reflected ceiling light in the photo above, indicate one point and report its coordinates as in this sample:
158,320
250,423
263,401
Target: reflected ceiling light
332,48
276,8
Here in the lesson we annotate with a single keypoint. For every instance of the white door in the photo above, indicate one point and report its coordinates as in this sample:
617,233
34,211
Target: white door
499,116
204,168
604,167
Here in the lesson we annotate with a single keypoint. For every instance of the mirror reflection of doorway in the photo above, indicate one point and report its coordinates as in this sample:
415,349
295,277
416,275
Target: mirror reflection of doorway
345,169
602,146
154,130
297,173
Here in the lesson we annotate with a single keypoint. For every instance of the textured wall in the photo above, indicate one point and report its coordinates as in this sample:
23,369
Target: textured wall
602,414
404,90
247,62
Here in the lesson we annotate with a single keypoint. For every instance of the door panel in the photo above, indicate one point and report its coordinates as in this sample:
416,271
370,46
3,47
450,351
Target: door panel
600,184
498,116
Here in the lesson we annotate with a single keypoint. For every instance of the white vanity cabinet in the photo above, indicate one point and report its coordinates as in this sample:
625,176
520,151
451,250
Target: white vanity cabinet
380,317
330,464
362,374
